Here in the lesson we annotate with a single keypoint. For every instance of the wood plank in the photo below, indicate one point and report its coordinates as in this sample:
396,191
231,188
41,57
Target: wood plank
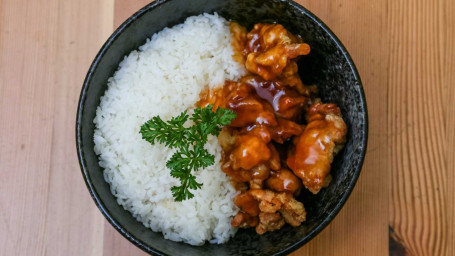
447,26
116,245
418,202
44,206
74,225
125,8
26,108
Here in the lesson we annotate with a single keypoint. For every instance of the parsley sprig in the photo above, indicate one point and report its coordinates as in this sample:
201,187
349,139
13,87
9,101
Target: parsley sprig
191,154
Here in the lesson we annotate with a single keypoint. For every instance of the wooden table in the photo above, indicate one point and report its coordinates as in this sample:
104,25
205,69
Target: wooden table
403,202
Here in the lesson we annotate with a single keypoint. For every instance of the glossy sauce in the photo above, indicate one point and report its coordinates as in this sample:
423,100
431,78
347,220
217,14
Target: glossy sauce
249,151
315,146
270,103
285,100
284,180
247,203
270,48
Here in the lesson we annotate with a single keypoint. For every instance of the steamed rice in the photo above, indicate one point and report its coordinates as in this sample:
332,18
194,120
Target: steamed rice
164,77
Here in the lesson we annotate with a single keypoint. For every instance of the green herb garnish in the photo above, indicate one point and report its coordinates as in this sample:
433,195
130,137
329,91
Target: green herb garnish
191,154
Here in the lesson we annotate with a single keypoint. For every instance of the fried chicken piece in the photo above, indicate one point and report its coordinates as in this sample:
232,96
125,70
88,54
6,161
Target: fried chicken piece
226,140
238,175
285,130
271,51
238,41
239,186
269,222
214,97
274,161
278,133
274,210
284,180
315,148
258,174
244,220
247,203
270,48
286,101
260,131
290,77
249,151
249,107
291,210
268,201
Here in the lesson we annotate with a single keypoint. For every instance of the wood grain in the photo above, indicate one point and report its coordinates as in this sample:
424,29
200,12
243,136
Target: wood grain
416,126
46,49
74,56
25,128
403,50
447,28
126,8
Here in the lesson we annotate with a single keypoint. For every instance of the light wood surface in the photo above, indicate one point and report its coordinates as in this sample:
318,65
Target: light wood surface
403,203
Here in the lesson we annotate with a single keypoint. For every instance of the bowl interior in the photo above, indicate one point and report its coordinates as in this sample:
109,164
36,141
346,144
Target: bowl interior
328,66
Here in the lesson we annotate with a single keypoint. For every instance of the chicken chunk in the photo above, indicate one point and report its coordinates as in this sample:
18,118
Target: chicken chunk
270,49
293,212
249,107
238,41
244,220
274,161
285,130
238,175
268,200
260,131
271,202
249,151
286,101
247,203
290,77
214,97
315,148
284,180
258,174
269,222
226,140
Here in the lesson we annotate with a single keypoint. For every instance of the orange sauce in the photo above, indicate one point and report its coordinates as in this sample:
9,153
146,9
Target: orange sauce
270,103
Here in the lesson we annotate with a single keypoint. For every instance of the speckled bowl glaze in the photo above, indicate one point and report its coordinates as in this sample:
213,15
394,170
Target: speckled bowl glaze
329,66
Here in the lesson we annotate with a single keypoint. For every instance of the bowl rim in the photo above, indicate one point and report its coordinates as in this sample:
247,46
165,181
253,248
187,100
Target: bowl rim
138,242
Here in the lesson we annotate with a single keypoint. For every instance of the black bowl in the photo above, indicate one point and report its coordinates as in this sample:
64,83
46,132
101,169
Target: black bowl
329,66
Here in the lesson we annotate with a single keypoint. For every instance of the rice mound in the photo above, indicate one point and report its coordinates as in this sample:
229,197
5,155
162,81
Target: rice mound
164,77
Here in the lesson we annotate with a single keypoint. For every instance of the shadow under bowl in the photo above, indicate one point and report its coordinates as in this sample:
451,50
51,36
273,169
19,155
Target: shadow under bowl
329,66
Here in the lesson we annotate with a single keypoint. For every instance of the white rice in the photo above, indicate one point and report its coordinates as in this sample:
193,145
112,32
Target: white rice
164,77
